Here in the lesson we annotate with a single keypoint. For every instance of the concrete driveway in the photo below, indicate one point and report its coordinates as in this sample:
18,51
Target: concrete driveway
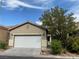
21,52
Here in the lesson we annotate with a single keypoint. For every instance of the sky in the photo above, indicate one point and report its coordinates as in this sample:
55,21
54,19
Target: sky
14,12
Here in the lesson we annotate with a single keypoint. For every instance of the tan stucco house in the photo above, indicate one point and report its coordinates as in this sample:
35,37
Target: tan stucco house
28,35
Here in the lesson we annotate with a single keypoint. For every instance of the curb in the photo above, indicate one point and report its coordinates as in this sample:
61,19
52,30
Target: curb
61,57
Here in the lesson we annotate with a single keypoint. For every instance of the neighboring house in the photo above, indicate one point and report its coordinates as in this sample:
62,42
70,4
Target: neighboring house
28,35
77,29
4,34
77,24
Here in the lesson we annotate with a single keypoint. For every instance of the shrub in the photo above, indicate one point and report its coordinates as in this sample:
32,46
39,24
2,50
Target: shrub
2,45
74,45
56,46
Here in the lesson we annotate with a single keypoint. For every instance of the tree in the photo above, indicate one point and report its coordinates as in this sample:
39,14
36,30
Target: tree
59,23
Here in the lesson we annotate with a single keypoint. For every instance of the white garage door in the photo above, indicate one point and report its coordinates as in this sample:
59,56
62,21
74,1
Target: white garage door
28,41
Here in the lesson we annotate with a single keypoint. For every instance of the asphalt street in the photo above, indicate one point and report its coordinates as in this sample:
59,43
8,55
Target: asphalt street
15,57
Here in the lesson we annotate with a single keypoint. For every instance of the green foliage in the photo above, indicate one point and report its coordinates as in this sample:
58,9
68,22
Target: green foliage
74,45
56,46
2,45
59,23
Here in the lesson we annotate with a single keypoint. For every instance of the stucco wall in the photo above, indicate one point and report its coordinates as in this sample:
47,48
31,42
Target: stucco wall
4,35
77,24
28,29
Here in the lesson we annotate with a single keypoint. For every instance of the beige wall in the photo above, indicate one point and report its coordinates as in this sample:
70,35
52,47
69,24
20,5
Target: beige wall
77,24
28,29
4,35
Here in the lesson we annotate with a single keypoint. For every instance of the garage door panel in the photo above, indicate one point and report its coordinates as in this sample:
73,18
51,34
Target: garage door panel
28,41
